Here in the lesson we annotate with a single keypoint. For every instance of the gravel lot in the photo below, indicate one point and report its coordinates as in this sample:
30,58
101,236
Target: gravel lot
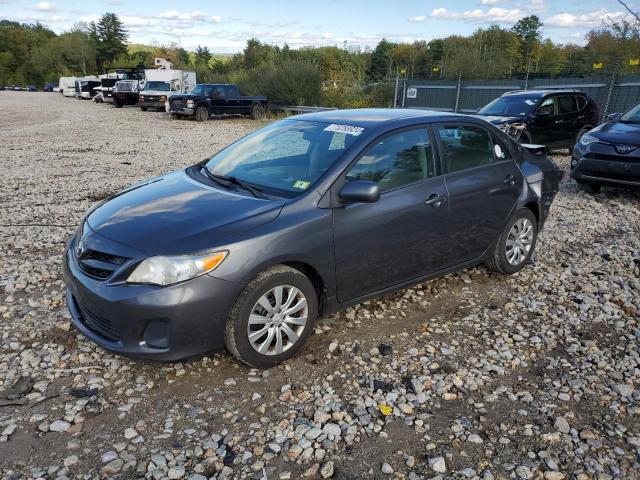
474,375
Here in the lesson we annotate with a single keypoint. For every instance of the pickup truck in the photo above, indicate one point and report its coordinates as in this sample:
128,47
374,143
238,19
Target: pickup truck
208,99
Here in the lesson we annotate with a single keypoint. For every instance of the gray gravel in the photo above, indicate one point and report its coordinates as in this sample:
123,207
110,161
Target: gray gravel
474,375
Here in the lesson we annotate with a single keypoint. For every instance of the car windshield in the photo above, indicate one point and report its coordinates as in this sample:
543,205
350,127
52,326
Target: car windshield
632,115
158,86
285,158
510,106
202,89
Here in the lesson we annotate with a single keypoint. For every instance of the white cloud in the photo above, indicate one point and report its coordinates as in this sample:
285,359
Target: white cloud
587,19
134,21
537,5
419,18
493,15
190,17
491,2
44,7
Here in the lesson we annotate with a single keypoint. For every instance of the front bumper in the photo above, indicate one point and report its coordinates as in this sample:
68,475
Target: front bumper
182,111
169,323
602,165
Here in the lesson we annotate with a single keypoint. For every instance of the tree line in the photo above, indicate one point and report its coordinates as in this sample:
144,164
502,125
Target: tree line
341,76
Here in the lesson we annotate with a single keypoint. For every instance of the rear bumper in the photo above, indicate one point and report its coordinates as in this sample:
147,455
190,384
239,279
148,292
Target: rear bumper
168,324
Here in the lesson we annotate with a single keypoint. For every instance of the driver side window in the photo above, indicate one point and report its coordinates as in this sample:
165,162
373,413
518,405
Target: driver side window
548,107
396,160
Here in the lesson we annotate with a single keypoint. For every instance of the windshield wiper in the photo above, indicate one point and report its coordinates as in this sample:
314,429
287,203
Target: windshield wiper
218,177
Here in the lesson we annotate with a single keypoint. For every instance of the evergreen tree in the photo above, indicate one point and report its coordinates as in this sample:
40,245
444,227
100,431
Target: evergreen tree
110,39
203,55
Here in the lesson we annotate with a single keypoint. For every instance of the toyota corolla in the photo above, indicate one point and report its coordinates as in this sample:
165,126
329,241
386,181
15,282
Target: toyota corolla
298,219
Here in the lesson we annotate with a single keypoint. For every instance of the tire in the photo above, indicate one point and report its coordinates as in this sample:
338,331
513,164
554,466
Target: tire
589,188
237,330
582,131
258,112
202,114
500,260
144,109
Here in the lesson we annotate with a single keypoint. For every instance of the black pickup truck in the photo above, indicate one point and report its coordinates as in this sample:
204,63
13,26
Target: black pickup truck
208,99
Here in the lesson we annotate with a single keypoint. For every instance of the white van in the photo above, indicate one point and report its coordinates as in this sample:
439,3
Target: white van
67,86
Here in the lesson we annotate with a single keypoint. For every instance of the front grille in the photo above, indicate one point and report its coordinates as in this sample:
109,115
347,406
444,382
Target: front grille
177,104
124,86
101,326
100,265
612,158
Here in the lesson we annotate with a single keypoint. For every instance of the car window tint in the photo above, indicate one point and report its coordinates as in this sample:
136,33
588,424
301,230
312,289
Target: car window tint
396,160
548,107
465,146
582,102
566,104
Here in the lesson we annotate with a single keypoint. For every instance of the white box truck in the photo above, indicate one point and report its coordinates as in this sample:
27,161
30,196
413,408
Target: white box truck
163,82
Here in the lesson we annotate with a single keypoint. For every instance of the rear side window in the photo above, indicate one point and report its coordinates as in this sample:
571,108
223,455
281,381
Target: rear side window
465,146
396,160
567,105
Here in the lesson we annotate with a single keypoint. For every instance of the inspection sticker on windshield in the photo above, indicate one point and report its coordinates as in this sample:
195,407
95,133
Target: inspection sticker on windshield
301,184
348,129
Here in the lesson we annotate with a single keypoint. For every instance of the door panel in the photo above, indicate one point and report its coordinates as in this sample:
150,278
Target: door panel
480,201
483,183
544,126
395,239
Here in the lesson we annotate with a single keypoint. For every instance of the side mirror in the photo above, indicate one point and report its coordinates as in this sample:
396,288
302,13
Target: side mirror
363,191
613,117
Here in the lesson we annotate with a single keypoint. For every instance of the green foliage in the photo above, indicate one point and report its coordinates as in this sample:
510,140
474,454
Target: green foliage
292,82
202,56
109,37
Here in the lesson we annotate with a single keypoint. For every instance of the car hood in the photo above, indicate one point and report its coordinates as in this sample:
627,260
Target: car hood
618,133
185,96
175,214
499,120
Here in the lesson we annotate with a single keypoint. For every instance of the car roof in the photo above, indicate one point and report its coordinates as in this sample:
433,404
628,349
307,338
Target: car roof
363,117
540,93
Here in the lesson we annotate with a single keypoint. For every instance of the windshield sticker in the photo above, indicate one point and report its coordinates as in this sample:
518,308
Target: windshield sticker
529,102
348,129
301,184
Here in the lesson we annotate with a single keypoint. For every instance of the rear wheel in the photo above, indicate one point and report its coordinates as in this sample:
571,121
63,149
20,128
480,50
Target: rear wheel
589,188
272,318
202,114
258,112
516,243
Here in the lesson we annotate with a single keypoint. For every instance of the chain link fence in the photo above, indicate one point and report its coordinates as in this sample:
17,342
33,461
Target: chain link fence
612,92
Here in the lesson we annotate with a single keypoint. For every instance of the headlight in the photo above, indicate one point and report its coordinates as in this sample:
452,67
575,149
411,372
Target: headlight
587,139
169,270
141,97
162,98
190,103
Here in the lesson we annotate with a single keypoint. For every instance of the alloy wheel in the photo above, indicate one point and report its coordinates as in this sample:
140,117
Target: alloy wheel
519,241
277,320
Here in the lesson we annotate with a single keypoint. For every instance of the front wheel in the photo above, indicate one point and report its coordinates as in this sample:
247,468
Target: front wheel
144,109
272,318
117,103
202,114
258,112
516,243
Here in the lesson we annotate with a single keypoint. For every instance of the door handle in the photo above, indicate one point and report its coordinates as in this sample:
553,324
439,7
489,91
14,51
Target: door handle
435,200
509,179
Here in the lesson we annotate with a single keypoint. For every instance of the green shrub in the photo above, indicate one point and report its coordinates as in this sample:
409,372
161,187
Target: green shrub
291,83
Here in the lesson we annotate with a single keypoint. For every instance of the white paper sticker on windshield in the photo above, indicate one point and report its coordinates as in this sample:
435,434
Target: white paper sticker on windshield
348,129
529,102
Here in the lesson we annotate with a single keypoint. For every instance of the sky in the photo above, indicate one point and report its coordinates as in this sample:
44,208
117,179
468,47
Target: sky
224,26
